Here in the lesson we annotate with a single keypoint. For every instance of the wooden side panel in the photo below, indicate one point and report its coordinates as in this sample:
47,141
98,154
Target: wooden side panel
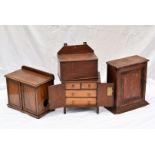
105,95
14,93
29,99
42,98
56,96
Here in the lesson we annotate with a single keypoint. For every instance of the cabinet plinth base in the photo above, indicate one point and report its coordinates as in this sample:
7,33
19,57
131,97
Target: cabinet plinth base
128,107
33,115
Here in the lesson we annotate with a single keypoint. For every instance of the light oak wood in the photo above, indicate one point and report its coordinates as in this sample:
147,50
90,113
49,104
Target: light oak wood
73,85
80,93
89,85
80,101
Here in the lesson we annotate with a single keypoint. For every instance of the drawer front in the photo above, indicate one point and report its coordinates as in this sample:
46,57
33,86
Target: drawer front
89,85
72,85
80,101
80,93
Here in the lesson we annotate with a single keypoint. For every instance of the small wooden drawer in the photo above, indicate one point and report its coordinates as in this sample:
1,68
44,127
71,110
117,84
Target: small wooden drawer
80,93
89,85
80,101
72,85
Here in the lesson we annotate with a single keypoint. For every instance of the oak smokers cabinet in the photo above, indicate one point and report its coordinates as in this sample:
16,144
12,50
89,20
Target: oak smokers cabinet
28,90
86,93
129,78
77,62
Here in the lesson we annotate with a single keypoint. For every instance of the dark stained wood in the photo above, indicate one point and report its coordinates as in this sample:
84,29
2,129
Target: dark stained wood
69,49
30,76
77,62
14,91
127,61
77,57
104,98
56,96
28,90
129,78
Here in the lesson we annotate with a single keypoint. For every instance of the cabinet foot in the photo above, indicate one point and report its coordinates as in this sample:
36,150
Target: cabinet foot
64,110
97,110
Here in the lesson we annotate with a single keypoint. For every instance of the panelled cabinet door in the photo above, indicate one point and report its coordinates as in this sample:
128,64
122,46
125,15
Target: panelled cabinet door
14,93
132,85
56,96
29,99
105,95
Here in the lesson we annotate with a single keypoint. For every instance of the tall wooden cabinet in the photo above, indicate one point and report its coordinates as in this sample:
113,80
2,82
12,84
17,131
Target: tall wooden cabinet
129,78
28,90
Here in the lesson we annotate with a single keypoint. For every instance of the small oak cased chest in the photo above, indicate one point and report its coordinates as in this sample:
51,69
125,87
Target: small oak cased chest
77,62
28,90
129,78
85,93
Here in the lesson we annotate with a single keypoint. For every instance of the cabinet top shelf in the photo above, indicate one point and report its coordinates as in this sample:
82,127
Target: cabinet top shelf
30,76
128,61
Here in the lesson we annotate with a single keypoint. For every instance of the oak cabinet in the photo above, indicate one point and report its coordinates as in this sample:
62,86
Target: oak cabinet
129,78
81,94
77,62
28,90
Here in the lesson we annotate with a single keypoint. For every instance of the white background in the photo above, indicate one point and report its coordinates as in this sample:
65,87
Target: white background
37,46
84,141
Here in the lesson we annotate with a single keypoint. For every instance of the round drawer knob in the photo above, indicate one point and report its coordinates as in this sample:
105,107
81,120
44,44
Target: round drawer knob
89,85
89,94
73,85
72,94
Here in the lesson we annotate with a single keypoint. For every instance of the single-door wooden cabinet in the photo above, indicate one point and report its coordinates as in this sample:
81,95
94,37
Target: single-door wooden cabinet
129,78
28,90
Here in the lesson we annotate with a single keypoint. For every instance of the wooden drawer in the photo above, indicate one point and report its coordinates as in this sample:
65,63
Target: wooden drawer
80,101
89,85
80,93
72,85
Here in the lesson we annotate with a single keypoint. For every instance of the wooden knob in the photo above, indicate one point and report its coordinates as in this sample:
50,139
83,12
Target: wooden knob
73,85
89,85
89,94
72,94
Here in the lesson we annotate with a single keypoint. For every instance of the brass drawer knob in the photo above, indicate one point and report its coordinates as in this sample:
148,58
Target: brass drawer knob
89,94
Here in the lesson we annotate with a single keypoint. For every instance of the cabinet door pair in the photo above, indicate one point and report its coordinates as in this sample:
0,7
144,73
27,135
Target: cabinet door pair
21,96
105,96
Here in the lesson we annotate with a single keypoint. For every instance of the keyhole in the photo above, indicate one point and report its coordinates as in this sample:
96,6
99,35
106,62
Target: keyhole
46,103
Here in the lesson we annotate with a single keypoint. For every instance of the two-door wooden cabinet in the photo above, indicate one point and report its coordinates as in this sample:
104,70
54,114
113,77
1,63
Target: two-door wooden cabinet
85,93
28,90
129,78
77,62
